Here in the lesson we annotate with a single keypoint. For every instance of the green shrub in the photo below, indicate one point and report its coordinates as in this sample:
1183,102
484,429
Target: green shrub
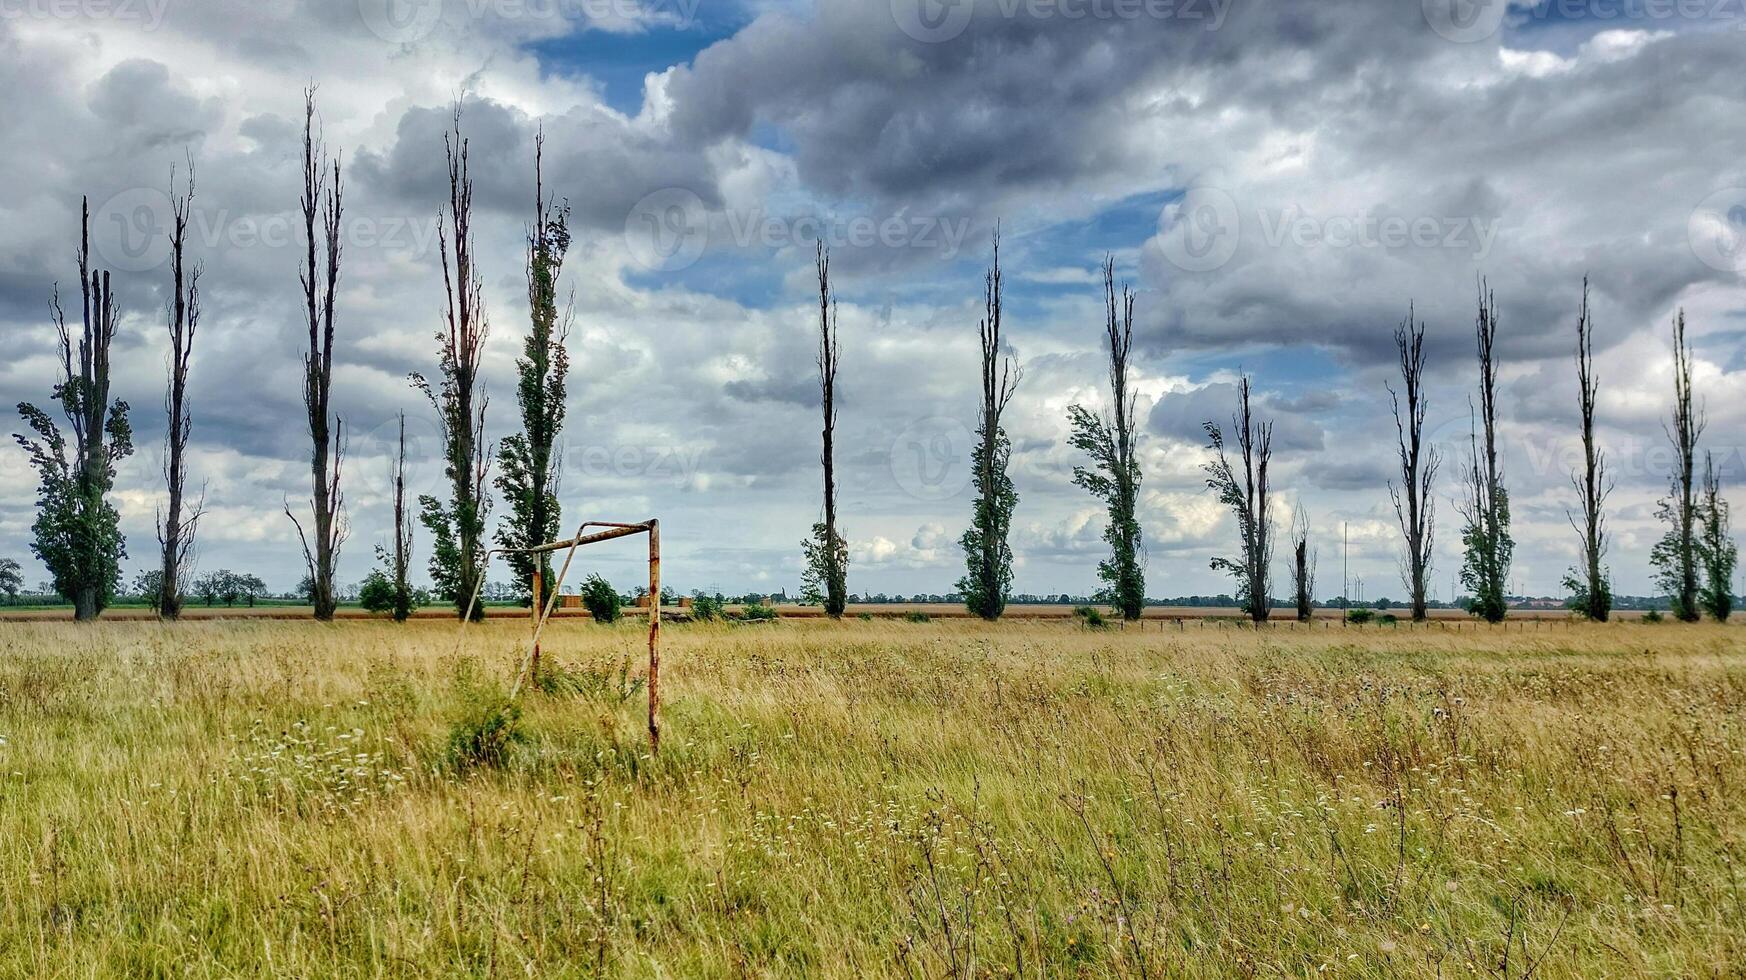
756,612
1653,616
553,679
488,730
1387,619
917,616
706,608
1090,616
865,617
601,599
1359,616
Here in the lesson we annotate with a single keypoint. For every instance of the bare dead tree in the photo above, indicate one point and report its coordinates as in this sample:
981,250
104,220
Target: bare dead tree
176,529
402,560
987,551
1675,556
1591,593
1246,494
322,207
827,553
1486,569
457,564
1414,503
1303,565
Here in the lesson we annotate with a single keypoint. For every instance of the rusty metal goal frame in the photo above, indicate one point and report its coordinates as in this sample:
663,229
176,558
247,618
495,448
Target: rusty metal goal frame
609,531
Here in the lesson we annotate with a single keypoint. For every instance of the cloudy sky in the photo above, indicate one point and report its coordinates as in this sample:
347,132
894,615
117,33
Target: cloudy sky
1277,181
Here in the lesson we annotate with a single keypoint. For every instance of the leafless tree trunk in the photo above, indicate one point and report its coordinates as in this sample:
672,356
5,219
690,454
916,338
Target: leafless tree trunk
827,552
1303,567
1594,593
1414,503
402,534
1246,495
176,530
321,203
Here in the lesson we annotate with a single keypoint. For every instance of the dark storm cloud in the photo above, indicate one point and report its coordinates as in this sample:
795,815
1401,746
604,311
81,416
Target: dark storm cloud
600,164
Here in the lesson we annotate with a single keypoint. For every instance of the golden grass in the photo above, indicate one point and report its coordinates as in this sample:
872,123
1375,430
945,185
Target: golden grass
876,799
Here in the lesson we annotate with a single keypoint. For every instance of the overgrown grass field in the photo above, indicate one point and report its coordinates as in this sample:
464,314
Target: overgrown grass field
874,799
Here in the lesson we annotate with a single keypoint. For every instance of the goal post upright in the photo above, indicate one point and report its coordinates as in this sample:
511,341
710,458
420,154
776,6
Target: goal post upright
655,635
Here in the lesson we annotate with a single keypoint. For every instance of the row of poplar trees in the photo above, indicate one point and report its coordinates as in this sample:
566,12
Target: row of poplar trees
77,534
1108,439
1694,561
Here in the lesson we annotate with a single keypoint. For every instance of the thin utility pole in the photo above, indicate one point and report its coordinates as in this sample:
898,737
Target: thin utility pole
1345,564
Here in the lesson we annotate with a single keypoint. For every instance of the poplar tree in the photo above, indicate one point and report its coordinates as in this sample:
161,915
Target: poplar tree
1675,556
530,461
1591,593
987,552
1414,502
1486,569
77,531
458,525
827,553
177,527
1245,492
1114,476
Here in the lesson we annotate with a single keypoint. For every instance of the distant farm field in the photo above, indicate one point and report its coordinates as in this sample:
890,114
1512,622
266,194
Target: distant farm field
878,610
886,798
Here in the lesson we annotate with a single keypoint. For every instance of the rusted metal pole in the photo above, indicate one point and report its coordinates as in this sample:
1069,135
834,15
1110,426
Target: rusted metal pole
615,531
654,527
535,615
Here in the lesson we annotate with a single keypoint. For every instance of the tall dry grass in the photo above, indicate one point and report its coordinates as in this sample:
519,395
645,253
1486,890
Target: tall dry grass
875,799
